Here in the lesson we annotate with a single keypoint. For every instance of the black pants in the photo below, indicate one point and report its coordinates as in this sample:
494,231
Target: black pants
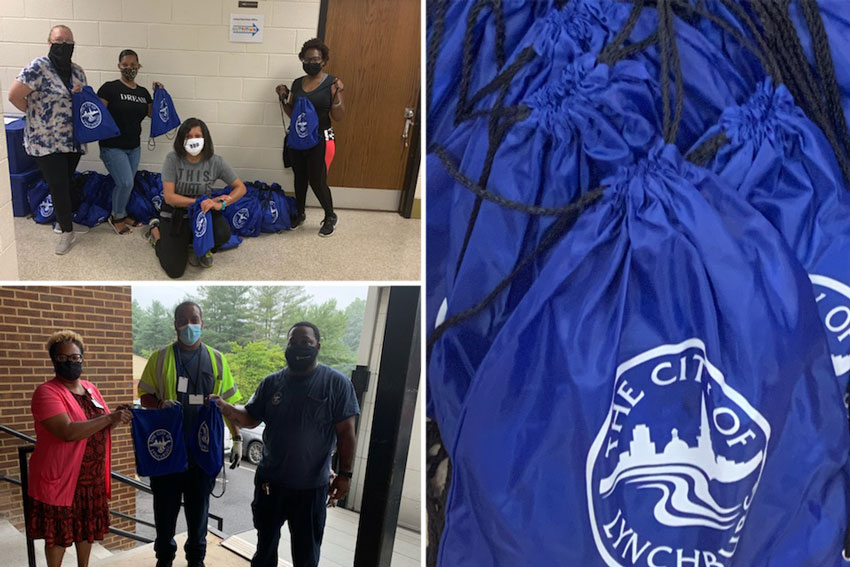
305,510
175,232
194,485
309,166
58,171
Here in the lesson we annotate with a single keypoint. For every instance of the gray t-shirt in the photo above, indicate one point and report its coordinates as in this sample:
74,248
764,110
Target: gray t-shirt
196,179
301,413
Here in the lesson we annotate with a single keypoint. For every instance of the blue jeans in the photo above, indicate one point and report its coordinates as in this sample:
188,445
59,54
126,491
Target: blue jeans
122,166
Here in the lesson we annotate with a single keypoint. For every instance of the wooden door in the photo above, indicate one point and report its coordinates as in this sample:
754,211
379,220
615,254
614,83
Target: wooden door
375,50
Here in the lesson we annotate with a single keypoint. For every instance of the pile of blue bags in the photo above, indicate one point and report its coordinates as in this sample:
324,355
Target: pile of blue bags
638,282
264,208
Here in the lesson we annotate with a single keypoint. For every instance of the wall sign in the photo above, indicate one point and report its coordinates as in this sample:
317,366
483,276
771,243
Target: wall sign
247,29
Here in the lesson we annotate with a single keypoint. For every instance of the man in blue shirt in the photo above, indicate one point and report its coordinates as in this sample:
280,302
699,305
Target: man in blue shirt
308,409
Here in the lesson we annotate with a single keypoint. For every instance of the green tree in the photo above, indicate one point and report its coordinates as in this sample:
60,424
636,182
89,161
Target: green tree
155,329
253,362
354,313
270,307
332,324
226,315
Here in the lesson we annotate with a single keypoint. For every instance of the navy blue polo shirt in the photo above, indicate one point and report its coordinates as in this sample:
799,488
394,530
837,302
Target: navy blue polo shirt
301,413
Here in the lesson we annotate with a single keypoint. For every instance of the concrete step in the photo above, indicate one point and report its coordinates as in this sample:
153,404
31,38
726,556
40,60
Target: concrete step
14,546
217,555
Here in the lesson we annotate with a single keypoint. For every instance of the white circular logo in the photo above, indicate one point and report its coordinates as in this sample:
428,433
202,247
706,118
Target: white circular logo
301,125
200,225
204,437
241,217
163,111
90,115
833,299
160,444
677,461
157,201
273,211
46,206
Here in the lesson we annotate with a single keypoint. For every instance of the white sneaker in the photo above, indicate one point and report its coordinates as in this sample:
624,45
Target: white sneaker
66,241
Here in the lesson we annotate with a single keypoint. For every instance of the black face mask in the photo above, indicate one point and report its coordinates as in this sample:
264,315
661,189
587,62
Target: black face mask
68,370
60,56
311,69
301,357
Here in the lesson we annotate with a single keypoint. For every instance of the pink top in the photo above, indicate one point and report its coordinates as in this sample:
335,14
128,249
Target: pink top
55,464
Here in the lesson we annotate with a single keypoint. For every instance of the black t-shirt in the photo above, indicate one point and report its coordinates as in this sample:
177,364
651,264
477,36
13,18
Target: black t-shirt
321,97
301,413
128,107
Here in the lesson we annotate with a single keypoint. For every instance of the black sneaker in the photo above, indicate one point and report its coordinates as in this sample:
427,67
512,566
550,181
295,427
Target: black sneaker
298,222
328,226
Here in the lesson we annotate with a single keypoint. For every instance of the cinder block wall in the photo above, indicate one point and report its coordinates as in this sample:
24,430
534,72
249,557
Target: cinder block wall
28,316
8,252
185,45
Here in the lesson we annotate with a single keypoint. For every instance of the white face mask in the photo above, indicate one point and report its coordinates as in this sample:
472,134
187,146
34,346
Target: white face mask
194,146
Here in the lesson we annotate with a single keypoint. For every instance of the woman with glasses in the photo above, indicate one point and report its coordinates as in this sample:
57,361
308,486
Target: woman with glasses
69,469
43,91
129,104
311,165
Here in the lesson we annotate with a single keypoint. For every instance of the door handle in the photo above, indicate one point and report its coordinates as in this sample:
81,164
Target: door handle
409,113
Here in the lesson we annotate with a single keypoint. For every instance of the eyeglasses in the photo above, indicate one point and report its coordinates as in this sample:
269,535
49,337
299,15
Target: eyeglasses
67,357
313,60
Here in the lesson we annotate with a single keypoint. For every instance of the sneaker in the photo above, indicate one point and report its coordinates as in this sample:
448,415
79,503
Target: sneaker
328,226
206,260
56,228
298,221
149,232
66,241
193,258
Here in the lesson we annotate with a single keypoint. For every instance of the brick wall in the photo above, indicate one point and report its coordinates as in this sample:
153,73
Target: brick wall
103,316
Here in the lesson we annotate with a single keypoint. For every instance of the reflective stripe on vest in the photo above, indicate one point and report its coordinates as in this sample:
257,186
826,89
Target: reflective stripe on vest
218,372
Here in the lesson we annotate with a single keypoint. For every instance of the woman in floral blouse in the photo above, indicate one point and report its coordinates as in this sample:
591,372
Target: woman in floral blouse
43,90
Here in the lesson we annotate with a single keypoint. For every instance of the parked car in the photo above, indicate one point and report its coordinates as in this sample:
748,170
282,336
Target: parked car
252,443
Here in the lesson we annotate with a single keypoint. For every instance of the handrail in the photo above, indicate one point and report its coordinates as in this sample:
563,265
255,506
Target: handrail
137,484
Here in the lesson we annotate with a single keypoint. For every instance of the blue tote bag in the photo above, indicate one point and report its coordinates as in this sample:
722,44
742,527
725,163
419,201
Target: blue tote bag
206,446
92,120
652,396
163,114
158,441
203,239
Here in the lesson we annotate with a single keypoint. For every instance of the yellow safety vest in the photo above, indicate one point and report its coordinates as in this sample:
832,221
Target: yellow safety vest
159,377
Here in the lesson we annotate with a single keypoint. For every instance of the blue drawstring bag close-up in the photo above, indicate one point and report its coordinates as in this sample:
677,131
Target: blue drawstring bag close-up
92,120
206,445
163,114
627,414
203,239
41,202
304,126
245,215
158,441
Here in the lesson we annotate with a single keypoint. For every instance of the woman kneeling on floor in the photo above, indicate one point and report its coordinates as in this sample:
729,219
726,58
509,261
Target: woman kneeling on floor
188,173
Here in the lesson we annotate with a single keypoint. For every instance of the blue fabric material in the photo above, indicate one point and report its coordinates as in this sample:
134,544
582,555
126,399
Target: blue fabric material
122,165
158,441
276,208
245,215
163,114
92,121
96,201
629,410
41,203
202,228
146,197
233,242
782,164
206,445
304,126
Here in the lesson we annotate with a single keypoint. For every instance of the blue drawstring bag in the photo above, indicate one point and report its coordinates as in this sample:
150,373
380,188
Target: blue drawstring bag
158,441
206,446
96,201
163,114
304,126
41,202
203,239
783,165
276,214
653,395
231,243
245,215
92,121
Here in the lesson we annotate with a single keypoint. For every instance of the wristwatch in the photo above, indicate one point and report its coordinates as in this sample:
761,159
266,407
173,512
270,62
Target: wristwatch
347,475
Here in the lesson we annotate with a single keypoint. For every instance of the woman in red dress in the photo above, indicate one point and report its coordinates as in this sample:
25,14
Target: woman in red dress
69,469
